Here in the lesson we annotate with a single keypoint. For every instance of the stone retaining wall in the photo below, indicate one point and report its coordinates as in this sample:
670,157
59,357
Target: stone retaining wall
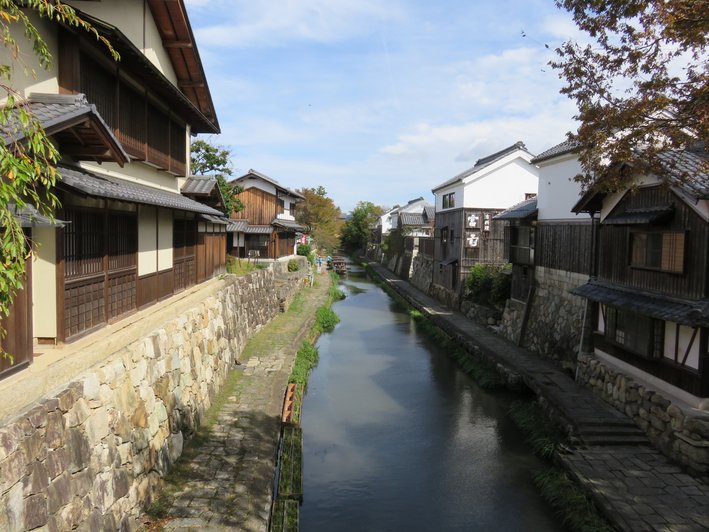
92,455
422,272
680,433
555,317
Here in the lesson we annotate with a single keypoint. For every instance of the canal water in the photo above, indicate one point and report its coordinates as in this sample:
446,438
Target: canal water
397,438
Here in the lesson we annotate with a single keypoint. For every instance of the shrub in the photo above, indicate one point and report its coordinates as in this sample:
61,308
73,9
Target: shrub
304,250
489,284
326,319
293,265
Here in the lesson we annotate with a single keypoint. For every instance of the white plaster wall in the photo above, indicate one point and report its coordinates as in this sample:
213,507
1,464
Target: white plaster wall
136,172
27,75
44,283
147,230
558,192
134,19
502,187
258,183
164,239
457,189
685,337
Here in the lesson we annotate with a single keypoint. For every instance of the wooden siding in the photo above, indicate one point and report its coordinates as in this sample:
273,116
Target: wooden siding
98,257
144,127
285,243
564,246
426,246
211,255
147,290
18,326
614,252
694,382
260,207
522,280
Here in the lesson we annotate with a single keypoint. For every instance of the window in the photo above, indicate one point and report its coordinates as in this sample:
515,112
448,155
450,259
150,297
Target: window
658,250
638,334
449,200
444,241
452,239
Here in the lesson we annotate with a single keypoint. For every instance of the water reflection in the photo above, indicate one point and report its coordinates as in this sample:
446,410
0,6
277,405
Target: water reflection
397,438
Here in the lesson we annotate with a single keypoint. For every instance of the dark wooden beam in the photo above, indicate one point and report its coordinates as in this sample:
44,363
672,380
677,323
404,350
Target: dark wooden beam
177,44
192,84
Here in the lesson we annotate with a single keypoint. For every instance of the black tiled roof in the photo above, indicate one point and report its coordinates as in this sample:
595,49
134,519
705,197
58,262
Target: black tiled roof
118,189
689,171
221,220
483,163
430,212
57,112
287,224
693,313
28,216
258,229
555,151
254,173
201,185
523,210
412,218
639,216
237,226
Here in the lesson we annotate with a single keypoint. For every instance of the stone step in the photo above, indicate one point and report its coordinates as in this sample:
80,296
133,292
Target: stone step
601,430
617,439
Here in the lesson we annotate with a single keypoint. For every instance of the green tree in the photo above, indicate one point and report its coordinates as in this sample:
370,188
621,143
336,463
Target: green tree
27,166
358,228
209,159
641,85
321,217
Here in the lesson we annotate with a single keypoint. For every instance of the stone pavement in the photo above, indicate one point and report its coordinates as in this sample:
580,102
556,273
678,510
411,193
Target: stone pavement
229,482
634,485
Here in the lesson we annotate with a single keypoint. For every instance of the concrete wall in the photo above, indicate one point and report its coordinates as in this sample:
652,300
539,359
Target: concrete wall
680,431
92,454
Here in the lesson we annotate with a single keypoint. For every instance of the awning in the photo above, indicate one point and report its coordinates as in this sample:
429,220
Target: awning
524,210
287,224
258,230
639,216
73,122
28,216
215,219
693,313
82,181
237,226
448,262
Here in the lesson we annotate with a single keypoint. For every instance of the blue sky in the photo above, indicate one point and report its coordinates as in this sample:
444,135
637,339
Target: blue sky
380,100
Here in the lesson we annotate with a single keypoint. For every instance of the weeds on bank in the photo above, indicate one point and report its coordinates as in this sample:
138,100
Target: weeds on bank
305,360
542,435
576,511
571,504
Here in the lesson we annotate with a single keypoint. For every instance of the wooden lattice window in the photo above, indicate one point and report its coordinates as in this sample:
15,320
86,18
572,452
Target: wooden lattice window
122,241
158,137
131,123
658,250
99,86
83,243
638,334
178,148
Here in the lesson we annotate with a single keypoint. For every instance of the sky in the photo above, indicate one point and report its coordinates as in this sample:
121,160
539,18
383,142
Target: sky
380,100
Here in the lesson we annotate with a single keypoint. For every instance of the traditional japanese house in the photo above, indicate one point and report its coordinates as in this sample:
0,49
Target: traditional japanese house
266,227
128,237
466,205
650,298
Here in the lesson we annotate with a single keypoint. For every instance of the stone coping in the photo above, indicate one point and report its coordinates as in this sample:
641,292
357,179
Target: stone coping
57,366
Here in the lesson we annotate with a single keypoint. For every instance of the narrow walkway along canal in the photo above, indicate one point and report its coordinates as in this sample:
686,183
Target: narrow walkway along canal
396,437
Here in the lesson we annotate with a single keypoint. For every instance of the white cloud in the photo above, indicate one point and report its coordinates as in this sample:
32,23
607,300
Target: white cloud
266,23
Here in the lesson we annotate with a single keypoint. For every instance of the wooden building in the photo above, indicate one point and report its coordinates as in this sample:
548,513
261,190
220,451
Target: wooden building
651,293
266,227
130,238
465,207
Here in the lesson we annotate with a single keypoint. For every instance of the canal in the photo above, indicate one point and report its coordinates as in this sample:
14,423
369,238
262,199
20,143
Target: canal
396,437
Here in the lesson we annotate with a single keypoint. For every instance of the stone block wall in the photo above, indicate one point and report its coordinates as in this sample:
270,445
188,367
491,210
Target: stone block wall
555,317
422,272
91,455
680,432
